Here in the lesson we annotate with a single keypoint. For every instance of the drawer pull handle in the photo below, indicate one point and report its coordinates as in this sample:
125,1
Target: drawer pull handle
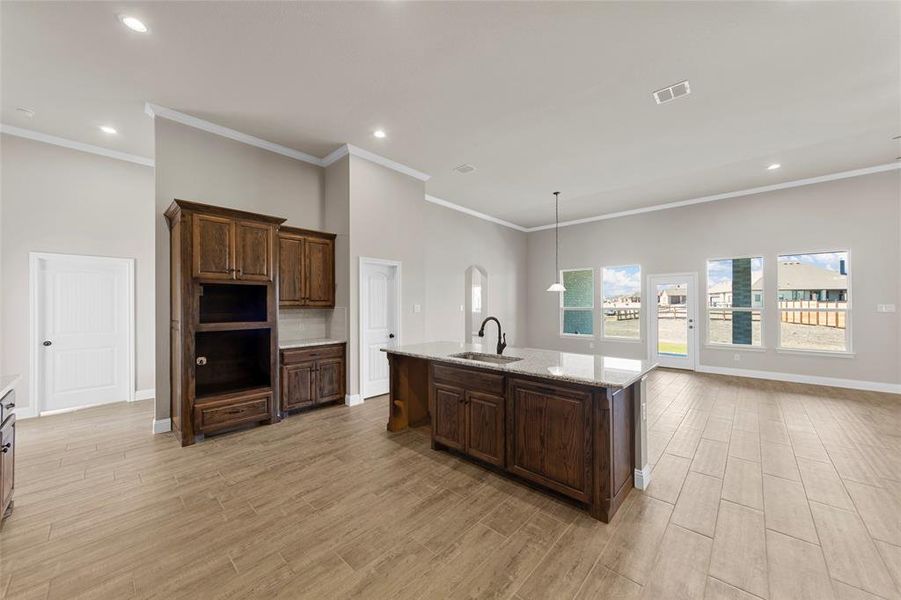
10,406
6,447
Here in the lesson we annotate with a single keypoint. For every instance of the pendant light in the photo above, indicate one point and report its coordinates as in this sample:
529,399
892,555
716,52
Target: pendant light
556,286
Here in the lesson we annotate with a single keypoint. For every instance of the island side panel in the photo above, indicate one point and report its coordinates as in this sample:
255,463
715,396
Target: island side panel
408,391
613,450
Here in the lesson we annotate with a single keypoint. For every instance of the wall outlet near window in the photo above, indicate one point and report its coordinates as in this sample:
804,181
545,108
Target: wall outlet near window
736,356
885,308
591,345
417,308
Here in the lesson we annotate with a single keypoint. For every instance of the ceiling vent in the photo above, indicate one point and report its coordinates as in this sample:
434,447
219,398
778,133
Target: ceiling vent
668,94
465,168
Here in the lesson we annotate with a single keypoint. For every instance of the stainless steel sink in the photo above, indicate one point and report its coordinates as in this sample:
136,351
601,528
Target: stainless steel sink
488,358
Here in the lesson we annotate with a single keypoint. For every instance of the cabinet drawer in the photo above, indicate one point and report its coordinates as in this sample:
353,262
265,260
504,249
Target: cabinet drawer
7,405
222,414
478,381
298,355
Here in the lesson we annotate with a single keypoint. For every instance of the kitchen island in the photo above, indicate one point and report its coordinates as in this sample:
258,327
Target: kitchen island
571,423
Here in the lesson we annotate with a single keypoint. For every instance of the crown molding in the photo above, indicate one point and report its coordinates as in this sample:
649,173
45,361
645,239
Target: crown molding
73,145
155,110
747,192
474,213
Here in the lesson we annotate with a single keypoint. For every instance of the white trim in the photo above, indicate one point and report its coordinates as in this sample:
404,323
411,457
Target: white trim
145,394
398,293
162,425
642,478
155,110
25,412
473,213
34,385
739,347
385,162
746,192
353,399
37,136
854,384
817,353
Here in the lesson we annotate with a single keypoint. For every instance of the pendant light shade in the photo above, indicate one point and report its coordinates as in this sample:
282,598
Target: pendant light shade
556,286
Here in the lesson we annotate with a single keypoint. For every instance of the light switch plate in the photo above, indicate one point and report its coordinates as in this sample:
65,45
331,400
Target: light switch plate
885,308
417,308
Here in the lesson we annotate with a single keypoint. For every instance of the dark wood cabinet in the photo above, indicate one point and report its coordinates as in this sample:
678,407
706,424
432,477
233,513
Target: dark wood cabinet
468,412
7,466
312,376
229,248
223,305
306,268
551,436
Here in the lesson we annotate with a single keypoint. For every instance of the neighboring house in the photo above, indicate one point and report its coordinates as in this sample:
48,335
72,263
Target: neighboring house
797,281
674,294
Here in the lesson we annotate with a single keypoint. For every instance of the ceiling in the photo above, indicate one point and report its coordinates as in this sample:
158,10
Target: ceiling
538,97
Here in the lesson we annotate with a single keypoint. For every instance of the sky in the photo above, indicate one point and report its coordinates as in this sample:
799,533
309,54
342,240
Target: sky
721,270
825,260
622,280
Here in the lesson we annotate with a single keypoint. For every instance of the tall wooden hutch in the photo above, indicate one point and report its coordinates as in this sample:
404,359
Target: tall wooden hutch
224,311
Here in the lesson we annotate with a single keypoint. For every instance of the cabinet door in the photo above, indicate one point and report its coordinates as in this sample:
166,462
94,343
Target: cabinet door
254,251
485,427
551,437
448,416
298,385
7,463
290,270
213,247
331,379
319,260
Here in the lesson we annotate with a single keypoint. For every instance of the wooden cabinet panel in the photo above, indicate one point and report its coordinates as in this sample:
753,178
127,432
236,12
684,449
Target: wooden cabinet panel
319,271
298,385
217,415
214,247
7,464
485,427
448,423
254,251
471,379
290,271
551,437
330,376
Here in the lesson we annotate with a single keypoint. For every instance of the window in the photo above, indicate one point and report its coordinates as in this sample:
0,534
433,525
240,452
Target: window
621,302
735,301
814,302
577,302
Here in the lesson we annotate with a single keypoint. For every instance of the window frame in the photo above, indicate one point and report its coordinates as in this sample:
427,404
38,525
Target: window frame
603,319
849,348
563,309
751,309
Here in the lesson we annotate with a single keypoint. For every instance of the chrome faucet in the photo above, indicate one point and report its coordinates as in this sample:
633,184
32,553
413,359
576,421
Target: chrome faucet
501,337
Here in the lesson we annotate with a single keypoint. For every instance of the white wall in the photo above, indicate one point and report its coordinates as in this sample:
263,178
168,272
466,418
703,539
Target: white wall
194,165
389,219
860,214
60,200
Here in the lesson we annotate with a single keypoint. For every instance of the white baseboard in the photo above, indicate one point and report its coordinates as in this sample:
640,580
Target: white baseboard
353,399
162,425
642,478
145,394
25,412
854,384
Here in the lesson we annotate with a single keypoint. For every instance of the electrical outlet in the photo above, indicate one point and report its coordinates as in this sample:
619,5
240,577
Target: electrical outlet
736,356
461,308
885,308
591,345
417,308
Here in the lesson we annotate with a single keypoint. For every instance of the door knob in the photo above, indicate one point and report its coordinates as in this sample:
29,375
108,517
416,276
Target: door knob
390,336
6,447
47,342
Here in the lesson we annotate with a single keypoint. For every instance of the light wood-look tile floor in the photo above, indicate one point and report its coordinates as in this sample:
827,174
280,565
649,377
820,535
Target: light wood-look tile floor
759,490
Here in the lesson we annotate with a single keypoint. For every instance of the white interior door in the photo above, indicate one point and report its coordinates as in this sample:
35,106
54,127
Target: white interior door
378,315
83,327
673,323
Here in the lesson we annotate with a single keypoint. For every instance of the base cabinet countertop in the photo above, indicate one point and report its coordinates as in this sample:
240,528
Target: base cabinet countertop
569,430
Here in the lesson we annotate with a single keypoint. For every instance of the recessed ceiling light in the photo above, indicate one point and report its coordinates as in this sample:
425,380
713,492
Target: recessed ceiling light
671,92
108,129
133,23
380,133
465,168
25,111
773,167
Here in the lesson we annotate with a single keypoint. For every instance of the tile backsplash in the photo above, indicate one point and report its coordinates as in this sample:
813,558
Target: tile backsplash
312,323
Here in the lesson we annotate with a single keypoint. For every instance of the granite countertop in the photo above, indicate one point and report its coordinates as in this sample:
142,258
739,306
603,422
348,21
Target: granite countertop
8,382
286,344
590,369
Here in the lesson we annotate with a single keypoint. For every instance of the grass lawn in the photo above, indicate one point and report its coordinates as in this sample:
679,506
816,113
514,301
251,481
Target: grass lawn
672,348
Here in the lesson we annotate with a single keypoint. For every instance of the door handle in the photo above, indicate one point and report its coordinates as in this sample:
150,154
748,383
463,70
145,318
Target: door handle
6,447
47,342
390,336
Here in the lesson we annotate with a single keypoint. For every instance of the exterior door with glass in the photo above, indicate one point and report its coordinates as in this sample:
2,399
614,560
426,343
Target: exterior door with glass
673,324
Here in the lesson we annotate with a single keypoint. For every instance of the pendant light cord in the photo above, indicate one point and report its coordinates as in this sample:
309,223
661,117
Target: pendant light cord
557,236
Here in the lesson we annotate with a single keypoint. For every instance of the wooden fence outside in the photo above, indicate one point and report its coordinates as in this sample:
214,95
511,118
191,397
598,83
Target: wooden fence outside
799,312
